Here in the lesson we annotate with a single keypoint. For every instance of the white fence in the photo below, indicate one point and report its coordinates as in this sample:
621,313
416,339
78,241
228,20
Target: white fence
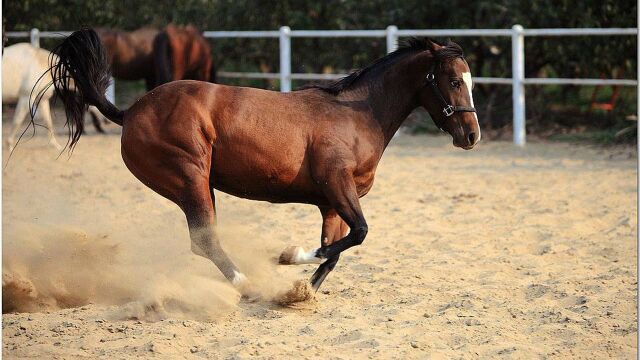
517,34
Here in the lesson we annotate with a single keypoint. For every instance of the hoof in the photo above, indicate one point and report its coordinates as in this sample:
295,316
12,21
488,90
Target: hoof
246,289
290,255
55,144
251,296
300,292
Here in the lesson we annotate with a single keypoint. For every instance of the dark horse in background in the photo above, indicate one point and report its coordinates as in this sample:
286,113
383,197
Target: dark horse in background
158,56
320,145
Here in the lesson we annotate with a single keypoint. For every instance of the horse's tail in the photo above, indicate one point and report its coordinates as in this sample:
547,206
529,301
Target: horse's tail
162,59
80,78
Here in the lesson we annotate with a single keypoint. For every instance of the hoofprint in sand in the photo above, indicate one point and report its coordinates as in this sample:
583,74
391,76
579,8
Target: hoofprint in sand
524,253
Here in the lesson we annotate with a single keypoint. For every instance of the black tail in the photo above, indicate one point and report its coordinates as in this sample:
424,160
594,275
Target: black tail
80,78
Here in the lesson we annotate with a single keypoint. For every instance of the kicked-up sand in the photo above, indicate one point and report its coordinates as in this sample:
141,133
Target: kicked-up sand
497,252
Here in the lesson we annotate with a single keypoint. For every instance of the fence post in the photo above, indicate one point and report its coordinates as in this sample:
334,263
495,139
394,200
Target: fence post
111,91
34,37
392,38
517,69
285,59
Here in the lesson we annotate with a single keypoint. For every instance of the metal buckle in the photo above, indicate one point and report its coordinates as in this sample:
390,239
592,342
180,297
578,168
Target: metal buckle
448,110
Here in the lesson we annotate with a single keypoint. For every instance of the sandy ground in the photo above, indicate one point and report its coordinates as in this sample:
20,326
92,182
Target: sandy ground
498,252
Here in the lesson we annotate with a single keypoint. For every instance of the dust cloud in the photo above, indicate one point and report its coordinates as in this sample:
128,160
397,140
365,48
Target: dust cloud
49,267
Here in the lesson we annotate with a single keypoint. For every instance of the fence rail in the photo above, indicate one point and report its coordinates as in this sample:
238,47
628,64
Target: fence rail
517,34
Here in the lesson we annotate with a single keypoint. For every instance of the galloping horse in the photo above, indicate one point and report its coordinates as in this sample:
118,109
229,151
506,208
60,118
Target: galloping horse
23,66
158,57
318,146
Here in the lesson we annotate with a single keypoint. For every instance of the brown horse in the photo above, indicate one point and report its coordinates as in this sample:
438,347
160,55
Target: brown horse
190,54
318,146
158,57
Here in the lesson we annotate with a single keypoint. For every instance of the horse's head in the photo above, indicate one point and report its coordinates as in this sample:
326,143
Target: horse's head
446,94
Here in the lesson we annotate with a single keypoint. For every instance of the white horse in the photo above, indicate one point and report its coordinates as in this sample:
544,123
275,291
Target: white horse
23,66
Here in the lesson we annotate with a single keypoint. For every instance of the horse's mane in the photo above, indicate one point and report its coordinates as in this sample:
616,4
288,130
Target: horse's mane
449,51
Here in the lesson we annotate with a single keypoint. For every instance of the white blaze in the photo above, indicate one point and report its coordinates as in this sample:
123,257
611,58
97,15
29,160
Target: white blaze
466,77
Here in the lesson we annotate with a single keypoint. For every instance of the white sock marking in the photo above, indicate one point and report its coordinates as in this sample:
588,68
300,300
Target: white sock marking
308,257
238,278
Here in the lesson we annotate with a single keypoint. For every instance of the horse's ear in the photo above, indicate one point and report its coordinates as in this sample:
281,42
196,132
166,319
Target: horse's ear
432,45
425,58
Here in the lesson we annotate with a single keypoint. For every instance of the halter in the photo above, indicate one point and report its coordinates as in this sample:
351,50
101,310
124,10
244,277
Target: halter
447,109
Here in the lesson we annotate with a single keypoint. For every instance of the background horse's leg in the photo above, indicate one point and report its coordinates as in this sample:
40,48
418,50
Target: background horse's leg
150,83
44,110
96,118
22,109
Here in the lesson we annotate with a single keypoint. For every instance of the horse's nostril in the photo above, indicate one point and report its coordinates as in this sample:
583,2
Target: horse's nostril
472,136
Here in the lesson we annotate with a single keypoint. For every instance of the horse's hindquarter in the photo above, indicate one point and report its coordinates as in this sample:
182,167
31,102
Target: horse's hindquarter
23,65
12,75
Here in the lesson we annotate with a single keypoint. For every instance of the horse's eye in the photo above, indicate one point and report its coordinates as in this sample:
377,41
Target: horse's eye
456,83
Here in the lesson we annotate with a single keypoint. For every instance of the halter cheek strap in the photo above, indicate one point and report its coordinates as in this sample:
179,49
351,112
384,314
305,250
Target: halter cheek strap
447,109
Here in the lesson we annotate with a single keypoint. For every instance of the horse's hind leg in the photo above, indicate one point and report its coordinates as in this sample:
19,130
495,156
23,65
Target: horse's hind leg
199,206
185,181
22,109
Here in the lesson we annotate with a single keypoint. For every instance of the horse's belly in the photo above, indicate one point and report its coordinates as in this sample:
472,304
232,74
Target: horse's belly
266,193
264,178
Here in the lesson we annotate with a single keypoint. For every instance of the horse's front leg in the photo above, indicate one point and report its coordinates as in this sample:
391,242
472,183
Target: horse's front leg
339,188
333,229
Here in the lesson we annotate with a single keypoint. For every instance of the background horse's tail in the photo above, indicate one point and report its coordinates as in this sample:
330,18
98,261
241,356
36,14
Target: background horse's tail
80,78
162,59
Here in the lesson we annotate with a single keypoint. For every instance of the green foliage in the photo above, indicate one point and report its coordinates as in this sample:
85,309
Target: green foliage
588,56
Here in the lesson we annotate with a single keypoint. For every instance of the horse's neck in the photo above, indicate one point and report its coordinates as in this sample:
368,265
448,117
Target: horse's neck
391,97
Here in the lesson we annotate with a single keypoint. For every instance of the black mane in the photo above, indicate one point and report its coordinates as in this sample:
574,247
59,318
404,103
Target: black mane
449,51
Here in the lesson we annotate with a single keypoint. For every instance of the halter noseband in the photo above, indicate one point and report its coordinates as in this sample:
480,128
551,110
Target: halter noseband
447,109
